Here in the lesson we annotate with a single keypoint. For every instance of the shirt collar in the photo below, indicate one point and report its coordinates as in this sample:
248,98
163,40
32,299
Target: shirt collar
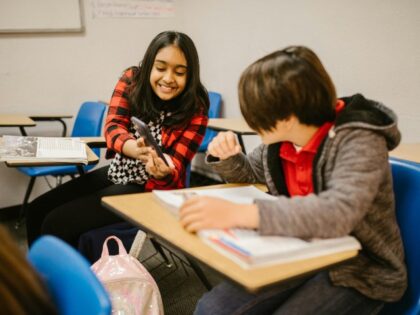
320,134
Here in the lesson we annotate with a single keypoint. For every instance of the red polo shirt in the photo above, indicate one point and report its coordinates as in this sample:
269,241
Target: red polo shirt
297,164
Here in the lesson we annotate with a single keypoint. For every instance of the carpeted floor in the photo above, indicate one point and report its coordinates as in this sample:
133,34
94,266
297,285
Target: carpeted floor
180,287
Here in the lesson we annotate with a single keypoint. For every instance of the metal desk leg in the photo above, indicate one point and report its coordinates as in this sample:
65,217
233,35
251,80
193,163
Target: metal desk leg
81,169
23,131
64,127
159,249
22,212
197,269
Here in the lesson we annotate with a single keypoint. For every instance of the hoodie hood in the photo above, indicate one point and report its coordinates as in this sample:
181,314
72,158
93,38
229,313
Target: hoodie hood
360,112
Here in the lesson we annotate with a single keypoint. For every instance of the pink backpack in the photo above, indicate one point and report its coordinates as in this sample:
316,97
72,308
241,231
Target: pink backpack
132,289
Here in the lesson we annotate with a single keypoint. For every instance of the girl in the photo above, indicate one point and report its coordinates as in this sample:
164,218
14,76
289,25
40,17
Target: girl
164,91
327,161
22,291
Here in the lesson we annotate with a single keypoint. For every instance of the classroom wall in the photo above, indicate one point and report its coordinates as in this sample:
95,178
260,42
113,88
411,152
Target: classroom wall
368,46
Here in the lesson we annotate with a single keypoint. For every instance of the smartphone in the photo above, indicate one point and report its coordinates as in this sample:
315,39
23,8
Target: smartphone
143,130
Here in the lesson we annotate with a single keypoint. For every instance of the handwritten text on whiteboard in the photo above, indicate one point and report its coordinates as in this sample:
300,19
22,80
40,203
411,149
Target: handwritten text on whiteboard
133,8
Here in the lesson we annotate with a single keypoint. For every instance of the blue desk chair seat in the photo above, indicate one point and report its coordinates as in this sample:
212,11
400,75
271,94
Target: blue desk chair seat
88,123
406,181
74,287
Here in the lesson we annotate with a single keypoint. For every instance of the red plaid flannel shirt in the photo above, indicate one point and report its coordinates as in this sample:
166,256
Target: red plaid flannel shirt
180,144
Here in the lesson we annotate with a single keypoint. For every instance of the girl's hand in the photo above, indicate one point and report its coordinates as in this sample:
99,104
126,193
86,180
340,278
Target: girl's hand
201,212
224,145
142,152
137,149
156,167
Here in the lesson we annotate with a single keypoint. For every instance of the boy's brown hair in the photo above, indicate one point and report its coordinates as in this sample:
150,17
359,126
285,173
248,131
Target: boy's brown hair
287,82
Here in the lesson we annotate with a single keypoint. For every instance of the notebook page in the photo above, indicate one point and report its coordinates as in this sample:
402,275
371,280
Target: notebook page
49,147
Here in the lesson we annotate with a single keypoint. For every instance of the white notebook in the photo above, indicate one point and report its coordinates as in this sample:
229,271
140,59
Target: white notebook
173,199
246,247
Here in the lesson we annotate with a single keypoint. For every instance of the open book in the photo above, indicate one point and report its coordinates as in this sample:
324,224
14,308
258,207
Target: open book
246,247
173,199
56,149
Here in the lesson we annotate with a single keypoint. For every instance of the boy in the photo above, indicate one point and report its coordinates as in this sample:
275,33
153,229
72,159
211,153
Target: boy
327,160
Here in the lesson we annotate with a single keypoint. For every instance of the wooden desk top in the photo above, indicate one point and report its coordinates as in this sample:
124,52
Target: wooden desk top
15,121
145,211
407,151
94,142
237,125
50,117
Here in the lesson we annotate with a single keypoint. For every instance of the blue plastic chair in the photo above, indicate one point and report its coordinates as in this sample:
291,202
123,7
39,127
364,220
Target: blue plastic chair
73,286
406,181
88,123
214,112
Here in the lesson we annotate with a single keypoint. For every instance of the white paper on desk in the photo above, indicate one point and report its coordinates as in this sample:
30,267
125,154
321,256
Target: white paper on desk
173,199
60,148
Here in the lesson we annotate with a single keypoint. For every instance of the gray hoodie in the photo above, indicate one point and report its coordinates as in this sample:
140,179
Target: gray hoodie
353,195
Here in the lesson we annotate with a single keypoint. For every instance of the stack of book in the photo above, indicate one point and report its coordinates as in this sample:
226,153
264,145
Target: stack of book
246,247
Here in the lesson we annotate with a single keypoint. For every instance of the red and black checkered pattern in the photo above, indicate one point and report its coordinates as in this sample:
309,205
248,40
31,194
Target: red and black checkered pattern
180,144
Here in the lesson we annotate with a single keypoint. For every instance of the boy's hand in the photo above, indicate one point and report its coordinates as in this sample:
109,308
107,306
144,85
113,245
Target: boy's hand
200,212
156,167
224,145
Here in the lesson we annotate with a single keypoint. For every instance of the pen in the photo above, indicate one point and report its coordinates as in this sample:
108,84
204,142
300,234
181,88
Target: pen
230,233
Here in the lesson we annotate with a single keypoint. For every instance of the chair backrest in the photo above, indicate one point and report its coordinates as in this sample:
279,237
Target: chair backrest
406,182
72,284
89,120
214,112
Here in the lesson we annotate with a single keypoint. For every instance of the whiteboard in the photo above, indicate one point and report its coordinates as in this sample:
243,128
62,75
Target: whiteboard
34,16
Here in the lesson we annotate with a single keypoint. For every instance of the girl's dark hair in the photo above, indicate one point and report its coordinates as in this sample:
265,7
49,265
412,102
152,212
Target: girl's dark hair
287,82
22,291
194,98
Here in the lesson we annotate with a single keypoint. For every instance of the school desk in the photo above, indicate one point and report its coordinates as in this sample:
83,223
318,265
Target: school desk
20,121
407,151
144,210
91,157
94,142
58,118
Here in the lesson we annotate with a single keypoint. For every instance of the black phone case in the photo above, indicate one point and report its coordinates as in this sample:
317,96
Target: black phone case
149,140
